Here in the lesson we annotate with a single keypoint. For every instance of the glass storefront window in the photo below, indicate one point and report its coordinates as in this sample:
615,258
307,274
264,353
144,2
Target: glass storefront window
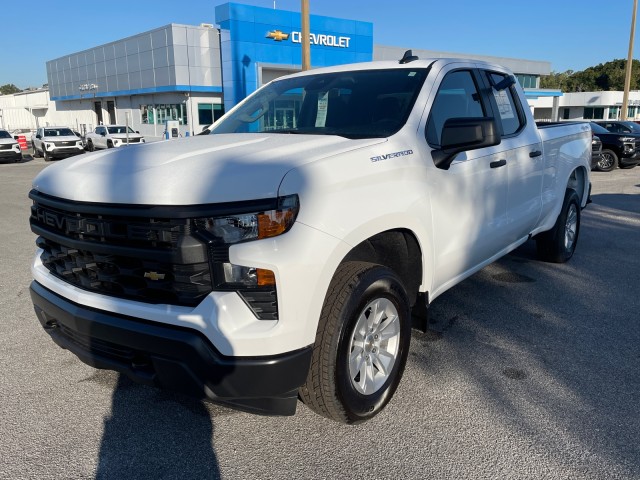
209,113
593,113
158,114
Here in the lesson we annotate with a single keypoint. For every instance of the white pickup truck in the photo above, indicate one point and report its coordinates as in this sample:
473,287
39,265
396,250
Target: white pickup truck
111,136
283,255
56,142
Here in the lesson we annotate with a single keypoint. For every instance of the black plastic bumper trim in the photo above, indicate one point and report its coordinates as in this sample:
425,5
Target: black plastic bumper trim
171,357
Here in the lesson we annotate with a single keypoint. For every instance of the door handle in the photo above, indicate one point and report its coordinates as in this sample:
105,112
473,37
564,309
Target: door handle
535,153
498,163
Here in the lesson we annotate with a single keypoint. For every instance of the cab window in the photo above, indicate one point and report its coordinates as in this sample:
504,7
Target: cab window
457,97
508,103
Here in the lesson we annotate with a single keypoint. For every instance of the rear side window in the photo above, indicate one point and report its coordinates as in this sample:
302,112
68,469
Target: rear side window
509,107
457,97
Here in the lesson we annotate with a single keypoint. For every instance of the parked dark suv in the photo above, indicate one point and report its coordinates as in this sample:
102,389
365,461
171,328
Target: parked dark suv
618,149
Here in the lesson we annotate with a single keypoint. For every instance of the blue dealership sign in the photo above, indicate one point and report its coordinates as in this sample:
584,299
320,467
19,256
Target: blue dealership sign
251,37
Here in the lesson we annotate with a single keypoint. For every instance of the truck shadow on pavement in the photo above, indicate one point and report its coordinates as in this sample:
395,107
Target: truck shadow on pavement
550,351
155,434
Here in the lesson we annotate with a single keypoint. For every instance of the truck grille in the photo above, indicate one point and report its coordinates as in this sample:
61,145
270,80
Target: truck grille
128,277
66,143
140,258
6,146
146,253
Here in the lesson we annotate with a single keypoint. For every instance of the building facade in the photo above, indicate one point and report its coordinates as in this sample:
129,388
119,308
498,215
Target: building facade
192,74
589,106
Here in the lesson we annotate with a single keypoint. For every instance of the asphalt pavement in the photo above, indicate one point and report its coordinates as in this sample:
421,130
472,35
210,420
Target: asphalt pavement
530,370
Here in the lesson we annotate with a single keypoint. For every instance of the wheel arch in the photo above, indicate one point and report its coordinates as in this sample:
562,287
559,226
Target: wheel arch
397,249
579,181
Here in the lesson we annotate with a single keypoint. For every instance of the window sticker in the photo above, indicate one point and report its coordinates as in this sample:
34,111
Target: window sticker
321,116
504,105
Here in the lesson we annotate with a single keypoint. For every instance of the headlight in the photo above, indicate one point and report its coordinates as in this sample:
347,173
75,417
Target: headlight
231,229
257,286
79,143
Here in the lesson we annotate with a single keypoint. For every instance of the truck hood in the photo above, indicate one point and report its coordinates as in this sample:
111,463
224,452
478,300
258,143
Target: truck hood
63,138
7,141
190,171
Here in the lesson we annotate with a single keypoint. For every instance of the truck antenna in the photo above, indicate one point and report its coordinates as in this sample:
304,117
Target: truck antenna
408,57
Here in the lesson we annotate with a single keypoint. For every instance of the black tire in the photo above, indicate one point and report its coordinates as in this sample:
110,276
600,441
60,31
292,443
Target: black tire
558,244
109,144
36,153
46,156
90,147
608,161
355,291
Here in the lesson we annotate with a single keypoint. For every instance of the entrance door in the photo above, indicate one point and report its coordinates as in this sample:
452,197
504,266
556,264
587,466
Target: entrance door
98,108
111,108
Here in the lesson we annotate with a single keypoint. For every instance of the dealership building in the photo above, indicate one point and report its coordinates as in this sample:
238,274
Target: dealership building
193,74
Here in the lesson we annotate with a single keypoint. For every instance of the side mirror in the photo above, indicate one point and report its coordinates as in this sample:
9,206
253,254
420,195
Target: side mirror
104,134
463,134
137,132
38,136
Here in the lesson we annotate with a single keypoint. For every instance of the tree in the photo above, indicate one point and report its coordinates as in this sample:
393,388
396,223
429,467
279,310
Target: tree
8,89
602,77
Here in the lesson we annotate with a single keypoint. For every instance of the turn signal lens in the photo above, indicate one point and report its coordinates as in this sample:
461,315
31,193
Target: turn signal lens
266,278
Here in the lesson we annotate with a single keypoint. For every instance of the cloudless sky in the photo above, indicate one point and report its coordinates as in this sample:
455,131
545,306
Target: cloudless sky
571,34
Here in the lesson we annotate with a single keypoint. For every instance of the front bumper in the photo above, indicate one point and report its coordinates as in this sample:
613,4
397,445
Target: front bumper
172,357
10,155
60,153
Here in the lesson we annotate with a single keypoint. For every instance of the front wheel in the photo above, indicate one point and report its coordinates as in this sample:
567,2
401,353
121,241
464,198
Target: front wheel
558,244
109,144
47,157
90,147
361,345
608,161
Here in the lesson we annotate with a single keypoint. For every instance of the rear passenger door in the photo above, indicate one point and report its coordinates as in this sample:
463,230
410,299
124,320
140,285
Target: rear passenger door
522,152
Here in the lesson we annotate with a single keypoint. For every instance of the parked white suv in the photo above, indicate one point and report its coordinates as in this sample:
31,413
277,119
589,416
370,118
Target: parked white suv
56,142
9,148
110,136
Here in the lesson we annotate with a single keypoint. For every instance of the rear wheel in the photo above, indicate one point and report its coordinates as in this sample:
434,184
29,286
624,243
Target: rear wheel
608,161
558,244
361,345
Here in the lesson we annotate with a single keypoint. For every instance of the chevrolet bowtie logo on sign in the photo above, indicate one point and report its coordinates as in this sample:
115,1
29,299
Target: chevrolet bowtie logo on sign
154,276
278,36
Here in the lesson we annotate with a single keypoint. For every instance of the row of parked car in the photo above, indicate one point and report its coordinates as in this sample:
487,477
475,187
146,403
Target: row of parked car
615,144
62,142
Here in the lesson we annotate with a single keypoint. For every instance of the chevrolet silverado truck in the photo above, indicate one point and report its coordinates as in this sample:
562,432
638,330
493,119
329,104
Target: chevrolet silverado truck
55,143
9,147
111,136
288,254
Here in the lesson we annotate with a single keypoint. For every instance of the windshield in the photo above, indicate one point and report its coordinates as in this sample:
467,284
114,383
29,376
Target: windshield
57,132
360,104
4,134
122,129
597,129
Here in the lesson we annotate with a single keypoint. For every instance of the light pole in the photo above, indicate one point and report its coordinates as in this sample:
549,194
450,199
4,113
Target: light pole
306,46
627,76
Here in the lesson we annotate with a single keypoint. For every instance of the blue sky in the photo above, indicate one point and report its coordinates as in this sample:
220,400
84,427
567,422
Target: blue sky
571,34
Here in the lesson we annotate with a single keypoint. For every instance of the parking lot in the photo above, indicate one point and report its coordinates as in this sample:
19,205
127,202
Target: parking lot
530,370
